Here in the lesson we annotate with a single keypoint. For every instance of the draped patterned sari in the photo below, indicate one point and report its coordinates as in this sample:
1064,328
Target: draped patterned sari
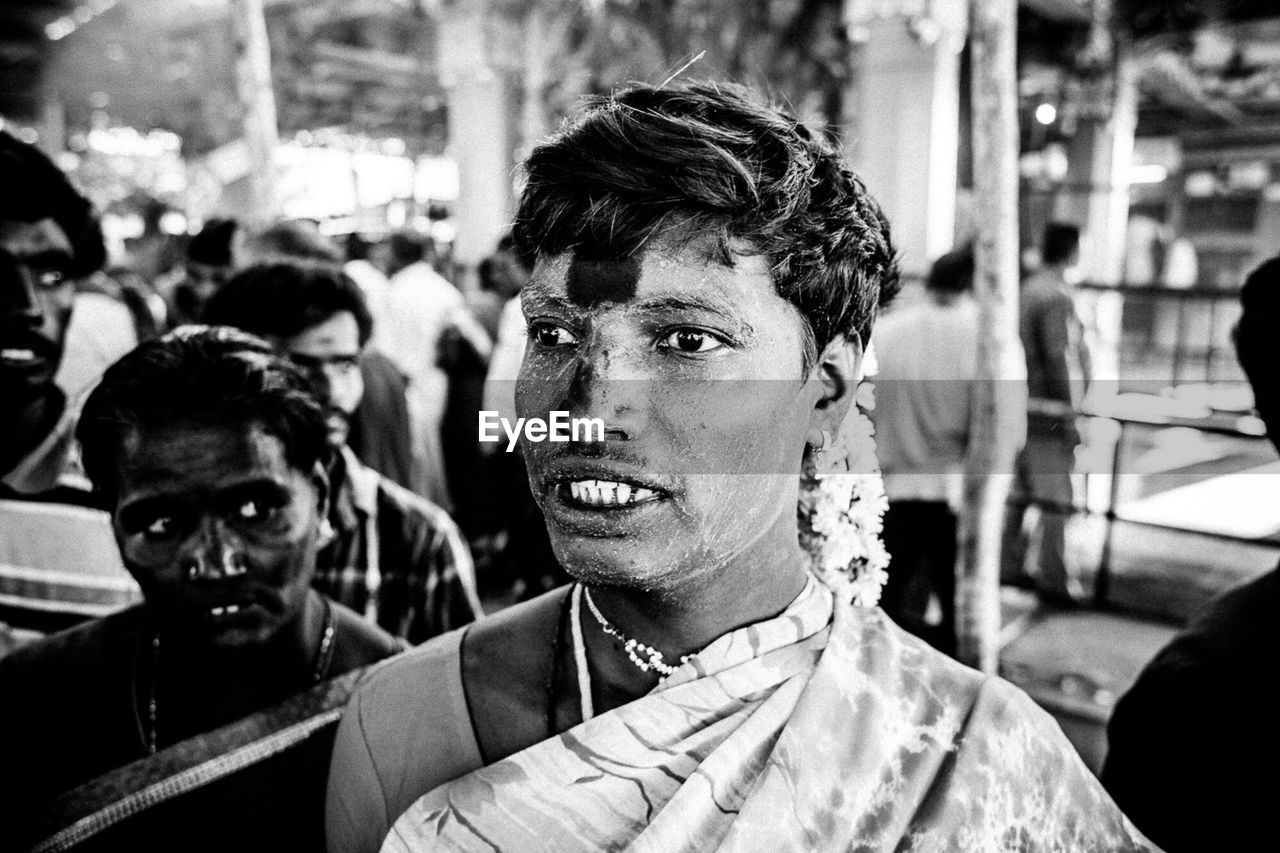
825,728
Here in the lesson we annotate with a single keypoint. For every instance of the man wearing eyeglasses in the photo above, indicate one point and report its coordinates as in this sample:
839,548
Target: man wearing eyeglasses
395,556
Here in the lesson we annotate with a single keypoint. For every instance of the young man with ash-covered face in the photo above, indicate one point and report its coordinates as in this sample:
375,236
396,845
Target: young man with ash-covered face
210,451
707,273
395,557
58,563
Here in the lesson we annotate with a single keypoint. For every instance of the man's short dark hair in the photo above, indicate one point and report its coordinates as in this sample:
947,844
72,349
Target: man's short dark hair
201,375
283,299
952,273
34,189
1061,241
212,244
292,239
710,160
408,247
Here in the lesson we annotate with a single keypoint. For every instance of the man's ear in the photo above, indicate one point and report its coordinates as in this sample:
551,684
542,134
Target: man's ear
320,479
837,373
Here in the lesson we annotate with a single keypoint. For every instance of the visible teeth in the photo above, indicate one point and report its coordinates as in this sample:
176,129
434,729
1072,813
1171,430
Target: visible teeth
233,608
217,611
608,493
228,610
17,354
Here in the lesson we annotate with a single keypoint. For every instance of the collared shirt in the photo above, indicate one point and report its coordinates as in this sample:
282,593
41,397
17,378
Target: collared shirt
59,562
396,557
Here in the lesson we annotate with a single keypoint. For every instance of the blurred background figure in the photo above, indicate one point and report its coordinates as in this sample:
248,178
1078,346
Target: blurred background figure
58,560
928,358
421,308
114,311
364,272
1059,373
394,556
211,258
1193,744
380,433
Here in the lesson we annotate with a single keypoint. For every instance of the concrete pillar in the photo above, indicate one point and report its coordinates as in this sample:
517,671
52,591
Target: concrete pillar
480,132
257,99
1100,157
905,132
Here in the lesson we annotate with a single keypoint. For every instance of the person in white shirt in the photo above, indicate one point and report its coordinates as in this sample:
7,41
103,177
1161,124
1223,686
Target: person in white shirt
928,358
421,306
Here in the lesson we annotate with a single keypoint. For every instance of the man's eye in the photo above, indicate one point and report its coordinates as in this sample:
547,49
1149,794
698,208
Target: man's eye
50,278
550,335
159,528
251,511
691,341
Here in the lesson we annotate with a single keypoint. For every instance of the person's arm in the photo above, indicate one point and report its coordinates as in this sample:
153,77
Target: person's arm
355,814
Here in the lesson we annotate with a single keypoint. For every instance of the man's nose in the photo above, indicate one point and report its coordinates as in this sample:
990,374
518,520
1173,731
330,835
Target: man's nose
609,385
212,555
22,301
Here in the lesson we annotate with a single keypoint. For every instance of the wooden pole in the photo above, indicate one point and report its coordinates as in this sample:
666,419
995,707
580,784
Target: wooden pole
257,98
999,420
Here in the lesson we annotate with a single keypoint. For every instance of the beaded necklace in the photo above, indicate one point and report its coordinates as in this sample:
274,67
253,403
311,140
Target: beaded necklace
324,657
644,656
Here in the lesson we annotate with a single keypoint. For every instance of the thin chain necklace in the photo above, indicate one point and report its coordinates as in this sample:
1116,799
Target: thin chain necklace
644,656
324,657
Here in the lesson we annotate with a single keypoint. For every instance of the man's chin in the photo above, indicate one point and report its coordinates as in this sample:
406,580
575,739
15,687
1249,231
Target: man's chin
339,431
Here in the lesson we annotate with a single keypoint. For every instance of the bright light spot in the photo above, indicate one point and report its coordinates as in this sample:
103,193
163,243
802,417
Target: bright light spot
173,222
442,231
29,135
1200,184
1046,114
59,29
1148,173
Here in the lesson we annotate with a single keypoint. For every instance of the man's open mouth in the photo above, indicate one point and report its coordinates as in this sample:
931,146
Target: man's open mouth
598,494
20,357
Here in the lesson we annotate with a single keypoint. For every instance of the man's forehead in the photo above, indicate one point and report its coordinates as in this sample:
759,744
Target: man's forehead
25,239
590,283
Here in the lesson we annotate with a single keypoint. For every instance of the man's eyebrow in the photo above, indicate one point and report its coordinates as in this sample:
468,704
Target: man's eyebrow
689,302
169,498
541,299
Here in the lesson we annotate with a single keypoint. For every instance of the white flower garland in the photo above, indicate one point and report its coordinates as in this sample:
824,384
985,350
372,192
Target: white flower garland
841,510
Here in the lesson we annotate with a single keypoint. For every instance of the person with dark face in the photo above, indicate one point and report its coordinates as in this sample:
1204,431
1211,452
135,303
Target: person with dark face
210,451
210,262
395,556
707,273
49,237
1193,744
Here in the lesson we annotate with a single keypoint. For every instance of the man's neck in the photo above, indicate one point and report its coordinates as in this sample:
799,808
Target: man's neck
208,687
756,586
22,430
